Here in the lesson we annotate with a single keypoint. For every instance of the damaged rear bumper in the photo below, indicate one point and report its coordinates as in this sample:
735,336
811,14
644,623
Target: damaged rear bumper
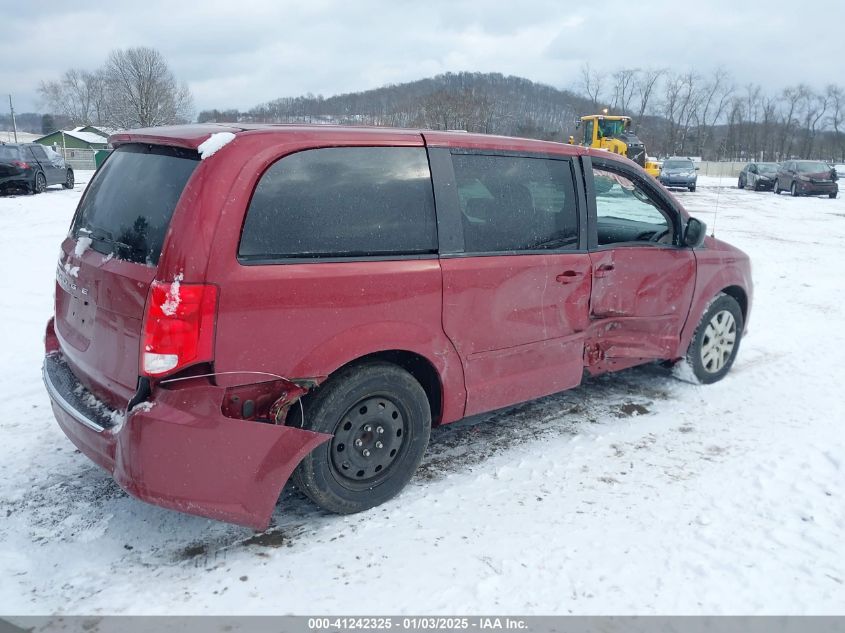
179,451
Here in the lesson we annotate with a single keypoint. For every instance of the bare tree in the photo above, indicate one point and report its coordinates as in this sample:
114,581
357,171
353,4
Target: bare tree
78,95
815,107
715,98
836,96
680,102
624,82
592,82
644,85
142,91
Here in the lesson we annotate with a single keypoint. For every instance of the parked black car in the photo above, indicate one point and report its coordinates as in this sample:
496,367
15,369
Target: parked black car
758,176
32,167
807,178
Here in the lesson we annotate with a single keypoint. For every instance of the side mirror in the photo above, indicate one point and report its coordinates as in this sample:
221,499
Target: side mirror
695,233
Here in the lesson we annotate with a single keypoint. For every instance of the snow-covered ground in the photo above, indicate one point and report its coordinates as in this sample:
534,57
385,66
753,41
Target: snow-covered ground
635,493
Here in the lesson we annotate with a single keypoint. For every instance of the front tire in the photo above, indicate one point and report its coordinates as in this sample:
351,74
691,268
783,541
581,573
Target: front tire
776,188
715,344
741,183
793,190
832,195
692,187
380,418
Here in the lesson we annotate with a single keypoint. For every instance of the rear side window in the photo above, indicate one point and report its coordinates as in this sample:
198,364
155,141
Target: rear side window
127,207
342,202
9,152
516,203
39,153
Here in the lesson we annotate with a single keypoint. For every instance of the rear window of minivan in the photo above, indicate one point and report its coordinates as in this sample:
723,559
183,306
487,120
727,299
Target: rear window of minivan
342,202
127,208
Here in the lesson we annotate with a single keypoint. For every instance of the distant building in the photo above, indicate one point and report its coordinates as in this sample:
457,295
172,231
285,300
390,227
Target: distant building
83,137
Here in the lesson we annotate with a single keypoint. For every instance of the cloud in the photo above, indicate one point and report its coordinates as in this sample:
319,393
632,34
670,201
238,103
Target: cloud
240,54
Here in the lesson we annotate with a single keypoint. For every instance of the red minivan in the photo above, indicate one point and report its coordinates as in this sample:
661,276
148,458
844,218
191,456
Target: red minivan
239,304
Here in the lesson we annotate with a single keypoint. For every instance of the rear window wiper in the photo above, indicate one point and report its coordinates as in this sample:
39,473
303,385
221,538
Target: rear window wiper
101,235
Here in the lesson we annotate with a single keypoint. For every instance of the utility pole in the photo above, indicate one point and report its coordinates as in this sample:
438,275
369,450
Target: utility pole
14,125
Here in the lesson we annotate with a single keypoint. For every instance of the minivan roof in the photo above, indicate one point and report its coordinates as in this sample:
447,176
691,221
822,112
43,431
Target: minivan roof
192,135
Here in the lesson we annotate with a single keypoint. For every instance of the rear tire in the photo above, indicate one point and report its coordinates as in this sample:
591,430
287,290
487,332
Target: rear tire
776,188
380,418
793,190
714,345
69,180
39,183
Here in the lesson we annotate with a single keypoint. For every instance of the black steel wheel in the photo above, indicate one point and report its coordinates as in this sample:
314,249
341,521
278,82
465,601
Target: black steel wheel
69,180
368,441
380,420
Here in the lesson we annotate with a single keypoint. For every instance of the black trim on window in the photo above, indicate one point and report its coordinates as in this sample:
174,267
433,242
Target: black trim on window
666,205
450,229
451,226
255,228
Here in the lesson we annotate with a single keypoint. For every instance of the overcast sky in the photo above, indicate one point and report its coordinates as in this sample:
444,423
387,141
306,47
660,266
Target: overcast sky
239,53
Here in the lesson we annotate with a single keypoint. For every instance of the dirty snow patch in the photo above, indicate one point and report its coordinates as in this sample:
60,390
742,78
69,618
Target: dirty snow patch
214,142
171,304
82,245
90,400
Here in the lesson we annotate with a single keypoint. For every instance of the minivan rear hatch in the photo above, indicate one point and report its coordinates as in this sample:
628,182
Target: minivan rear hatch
109,261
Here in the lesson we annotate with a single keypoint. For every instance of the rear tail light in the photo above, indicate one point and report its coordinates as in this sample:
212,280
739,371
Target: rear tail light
178,326
20,164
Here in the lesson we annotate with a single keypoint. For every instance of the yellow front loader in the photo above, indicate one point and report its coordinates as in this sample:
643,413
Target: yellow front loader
613,133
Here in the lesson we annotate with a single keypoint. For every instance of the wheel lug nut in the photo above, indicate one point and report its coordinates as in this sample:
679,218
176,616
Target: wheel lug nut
366,452
379,445
368,428
379,430
359,443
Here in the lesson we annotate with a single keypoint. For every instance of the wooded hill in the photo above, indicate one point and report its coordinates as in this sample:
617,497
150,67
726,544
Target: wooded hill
477,102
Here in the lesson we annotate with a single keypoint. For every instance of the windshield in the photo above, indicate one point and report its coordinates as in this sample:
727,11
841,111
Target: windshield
610,128
678,164
813,168
767,168
128,205
9,152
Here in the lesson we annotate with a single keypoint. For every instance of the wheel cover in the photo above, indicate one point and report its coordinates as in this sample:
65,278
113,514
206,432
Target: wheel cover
70,180
719,341
369,439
